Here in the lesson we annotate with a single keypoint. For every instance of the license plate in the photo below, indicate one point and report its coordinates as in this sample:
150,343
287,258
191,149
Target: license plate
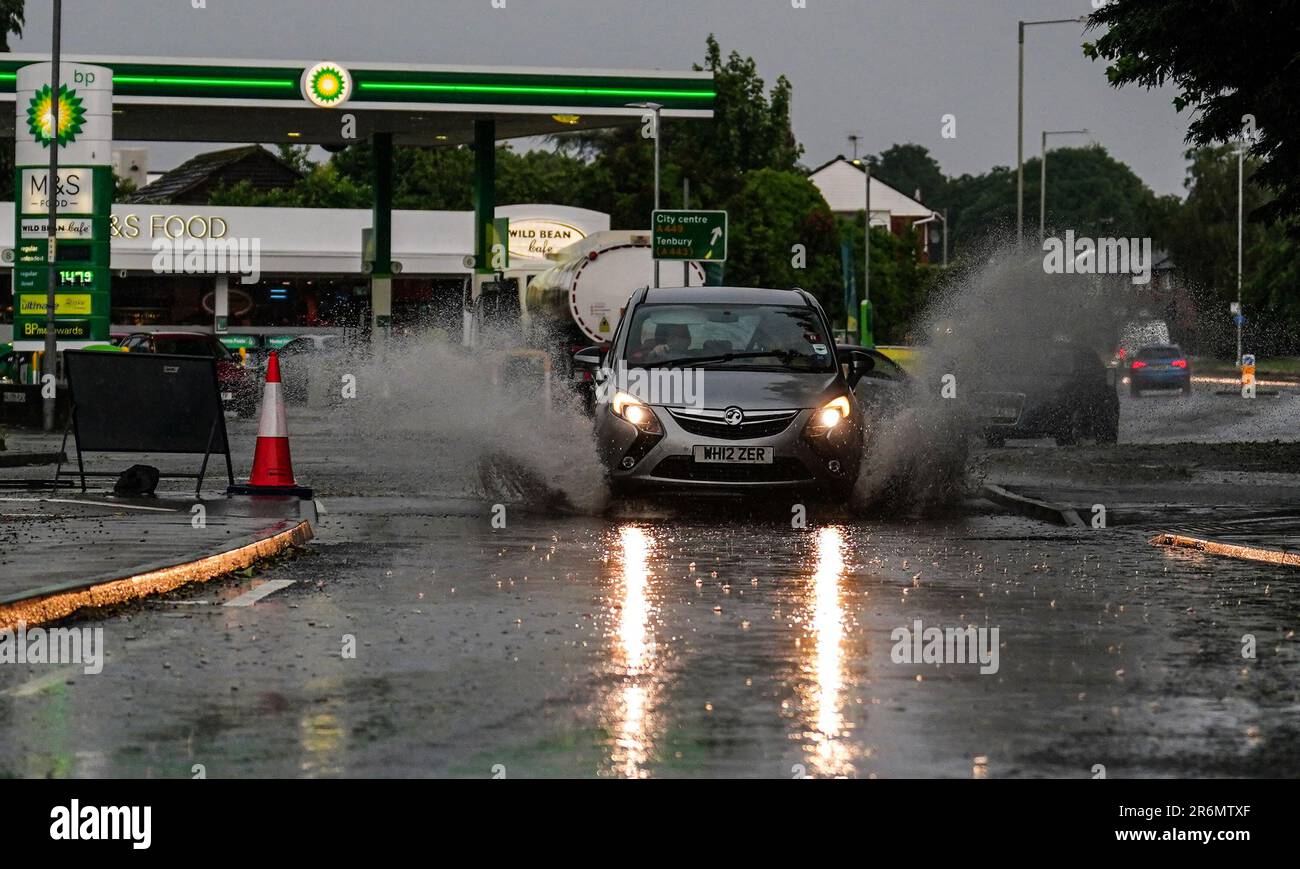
227,396
735,455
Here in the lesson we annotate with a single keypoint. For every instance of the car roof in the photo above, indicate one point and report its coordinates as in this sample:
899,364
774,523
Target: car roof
725,295
1160,348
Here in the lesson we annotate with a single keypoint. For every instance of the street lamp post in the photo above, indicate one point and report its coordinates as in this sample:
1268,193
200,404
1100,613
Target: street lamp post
1042,179
657,109
49,381
1241,189
1020,121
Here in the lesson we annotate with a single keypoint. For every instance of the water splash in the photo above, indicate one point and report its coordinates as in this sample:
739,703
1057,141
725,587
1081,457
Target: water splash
442,420
989,320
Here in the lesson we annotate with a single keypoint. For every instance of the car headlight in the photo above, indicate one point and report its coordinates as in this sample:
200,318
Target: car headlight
830,415
635,411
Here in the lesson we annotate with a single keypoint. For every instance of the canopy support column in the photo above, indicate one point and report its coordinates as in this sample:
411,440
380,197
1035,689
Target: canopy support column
381,267
485,199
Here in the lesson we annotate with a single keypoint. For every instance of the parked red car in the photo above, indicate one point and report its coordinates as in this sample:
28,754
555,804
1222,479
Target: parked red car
238,384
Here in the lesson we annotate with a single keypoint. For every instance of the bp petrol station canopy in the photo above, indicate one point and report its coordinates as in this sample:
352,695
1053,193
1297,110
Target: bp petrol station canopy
232,100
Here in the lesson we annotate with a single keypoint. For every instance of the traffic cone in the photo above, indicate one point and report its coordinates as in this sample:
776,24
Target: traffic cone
272,465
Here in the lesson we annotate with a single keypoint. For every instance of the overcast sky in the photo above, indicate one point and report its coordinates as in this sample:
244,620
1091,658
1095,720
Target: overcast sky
887,69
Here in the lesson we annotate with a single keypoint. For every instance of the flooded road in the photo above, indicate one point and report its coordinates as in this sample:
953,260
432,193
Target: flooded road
418,640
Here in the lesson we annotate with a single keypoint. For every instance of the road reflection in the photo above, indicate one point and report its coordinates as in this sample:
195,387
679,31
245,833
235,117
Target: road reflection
632,705
822,695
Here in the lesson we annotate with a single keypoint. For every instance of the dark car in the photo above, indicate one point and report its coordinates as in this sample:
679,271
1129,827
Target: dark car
1162,366
239,386
1064,392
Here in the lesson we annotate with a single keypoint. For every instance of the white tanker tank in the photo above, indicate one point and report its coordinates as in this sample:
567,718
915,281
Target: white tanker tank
580,299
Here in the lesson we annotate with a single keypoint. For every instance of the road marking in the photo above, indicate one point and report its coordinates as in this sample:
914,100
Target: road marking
253,595
32,687
112,504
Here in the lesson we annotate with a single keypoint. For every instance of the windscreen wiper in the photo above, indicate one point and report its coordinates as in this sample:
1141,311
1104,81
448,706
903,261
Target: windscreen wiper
783,355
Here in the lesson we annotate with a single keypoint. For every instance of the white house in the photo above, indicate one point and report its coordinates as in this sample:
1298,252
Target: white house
841,183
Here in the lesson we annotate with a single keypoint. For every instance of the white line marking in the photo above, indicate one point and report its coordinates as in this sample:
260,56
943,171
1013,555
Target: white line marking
92,503
253,595
32,687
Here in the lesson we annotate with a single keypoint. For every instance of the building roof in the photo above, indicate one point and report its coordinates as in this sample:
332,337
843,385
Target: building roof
840,182
194,178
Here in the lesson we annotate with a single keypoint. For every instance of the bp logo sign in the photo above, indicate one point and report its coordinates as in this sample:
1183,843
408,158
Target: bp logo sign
40,116
327,85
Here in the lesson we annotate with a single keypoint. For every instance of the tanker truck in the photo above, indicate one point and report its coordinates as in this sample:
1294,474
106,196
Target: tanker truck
578,302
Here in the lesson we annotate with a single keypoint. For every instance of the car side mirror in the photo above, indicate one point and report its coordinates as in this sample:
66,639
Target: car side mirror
859,361
588,359
586,363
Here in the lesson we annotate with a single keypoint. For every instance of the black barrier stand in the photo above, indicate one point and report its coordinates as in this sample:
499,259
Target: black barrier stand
145,403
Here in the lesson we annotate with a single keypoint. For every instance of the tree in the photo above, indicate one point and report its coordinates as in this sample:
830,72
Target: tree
750,130
1202,239
782,234
1088,191
11,21
909,168
1232,62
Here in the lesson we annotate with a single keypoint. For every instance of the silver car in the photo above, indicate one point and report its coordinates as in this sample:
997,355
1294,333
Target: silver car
728,390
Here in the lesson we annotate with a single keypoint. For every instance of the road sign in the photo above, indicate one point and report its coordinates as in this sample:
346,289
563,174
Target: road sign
700,236
1238,319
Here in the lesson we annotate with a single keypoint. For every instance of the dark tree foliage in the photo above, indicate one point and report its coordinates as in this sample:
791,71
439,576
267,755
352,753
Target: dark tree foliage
1229,59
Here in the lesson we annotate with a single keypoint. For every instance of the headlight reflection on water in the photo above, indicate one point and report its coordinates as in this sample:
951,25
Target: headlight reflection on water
828,752
635,648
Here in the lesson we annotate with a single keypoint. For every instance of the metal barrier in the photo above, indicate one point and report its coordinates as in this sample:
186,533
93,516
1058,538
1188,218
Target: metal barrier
145,403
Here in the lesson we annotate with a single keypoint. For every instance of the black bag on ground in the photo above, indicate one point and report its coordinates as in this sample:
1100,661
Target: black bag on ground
137,480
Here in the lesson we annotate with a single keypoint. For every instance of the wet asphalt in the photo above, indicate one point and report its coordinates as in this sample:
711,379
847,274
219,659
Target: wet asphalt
416,637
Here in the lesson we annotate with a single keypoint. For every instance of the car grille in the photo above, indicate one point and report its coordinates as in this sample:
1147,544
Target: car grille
709,423
782,470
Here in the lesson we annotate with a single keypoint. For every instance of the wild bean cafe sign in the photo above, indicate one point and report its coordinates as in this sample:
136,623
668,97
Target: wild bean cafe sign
532,238
82,192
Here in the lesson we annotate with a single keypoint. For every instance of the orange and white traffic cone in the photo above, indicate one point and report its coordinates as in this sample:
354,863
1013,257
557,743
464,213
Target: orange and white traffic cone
272,464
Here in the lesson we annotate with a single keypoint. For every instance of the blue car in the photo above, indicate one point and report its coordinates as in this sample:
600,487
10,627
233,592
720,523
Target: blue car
1160,366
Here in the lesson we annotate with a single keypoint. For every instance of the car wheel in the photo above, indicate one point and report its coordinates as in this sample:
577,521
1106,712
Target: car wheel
840,493
1108,432
1072,430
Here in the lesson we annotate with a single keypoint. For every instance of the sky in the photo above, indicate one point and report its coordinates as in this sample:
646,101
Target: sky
887,70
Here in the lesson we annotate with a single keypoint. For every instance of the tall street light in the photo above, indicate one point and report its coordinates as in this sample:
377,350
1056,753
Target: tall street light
865,313
1042,179
1020,122
657,109
1246,141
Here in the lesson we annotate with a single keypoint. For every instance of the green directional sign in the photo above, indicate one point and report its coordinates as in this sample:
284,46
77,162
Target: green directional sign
700,236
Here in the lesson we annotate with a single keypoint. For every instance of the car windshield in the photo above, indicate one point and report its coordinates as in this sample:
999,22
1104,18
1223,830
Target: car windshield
190,345
766,337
